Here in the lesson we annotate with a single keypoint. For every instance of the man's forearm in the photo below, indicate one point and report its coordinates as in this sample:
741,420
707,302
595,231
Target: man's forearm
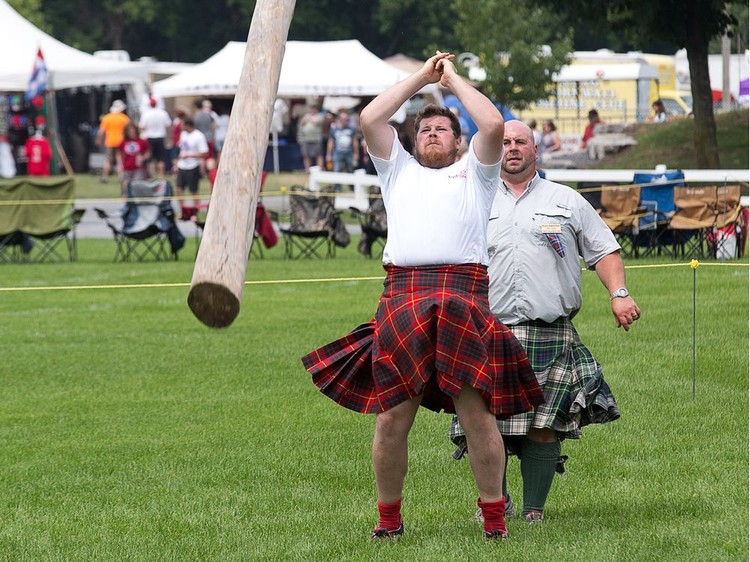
481,110
611,271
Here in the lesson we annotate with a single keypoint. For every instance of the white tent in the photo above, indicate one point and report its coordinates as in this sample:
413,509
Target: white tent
309,68
67,67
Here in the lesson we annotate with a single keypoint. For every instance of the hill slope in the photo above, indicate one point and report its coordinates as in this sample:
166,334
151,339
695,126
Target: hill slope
672,144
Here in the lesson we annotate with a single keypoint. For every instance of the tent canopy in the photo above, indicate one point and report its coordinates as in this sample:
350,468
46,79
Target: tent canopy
309,68
67,67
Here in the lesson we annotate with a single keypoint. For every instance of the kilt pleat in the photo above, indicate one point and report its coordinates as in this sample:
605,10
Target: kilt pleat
433,332
575,391
342,369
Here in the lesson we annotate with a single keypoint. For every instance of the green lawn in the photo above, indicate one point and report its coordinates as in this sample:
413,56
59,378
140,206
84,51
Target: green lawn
129,431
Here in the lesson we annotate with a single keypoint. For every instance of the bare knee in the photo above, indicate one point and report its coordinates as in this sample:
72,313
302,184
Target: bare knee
396,422
472,411
389,426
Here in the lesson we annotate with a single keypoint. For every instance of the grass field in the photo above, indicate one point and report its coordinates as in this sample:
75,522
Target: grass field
128,431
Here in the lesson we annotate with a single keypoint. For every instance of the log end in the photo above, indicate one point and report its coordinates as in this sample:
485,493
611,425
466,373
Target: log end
213,304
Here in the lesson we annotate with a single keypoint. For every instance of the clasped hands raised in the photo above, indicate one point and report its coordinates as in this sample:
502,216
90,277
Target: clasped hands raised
440,68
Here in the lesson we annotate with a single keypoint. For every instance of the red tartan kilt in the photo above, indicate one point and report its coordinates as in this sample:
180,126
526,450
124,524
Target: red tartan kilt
433,333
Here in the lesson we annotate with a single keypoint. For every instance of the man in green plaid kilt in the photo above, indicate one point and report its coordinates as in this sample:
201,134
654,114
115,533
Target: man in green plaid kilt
538,232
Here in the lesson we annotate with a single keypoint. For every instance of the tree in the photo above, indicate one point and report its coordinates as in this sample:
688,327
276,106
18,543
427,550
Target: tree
414,27
519,53
31,10
691,25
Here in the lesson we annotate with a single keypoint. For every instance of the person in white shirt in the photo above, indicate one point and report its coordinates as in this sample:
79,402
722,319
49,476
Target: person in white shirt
193,152
433,341
155,124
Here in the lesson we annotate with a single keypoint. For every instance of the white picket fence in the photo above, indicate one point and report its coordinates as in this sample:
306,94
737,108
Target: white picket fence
353,186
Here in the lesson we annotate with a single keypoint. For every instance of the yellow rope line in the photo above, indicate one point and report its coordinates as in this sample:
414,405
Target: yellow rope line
693,264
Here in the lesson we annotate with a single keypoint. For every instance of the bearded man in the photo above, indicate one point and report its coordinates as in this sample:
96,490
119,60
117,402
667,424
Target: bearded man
433,341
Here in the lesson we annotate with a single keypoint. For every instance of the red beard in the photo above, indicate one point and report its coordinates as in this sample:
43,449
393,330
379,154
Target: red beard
433,157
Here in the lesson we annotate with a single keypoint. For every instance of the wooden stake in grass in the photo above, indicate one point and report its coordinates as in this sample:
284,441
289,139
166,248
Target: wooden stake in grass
219,274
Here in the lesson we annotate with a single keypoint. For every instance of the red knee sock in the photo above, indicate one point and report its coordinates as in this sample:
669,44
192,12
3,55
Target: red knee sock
494,515
390,515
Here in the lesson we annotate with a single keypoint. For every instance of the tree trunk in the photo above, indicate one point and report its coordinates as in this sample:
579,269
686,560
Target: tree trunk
704,124
116,29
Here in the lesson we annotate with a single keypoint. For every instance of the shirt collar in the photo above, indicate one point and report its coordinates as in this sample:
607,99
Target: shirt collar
529,186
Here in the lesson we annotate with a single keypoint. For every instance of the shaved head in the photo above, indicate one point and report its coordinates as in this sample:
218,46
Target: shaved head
518,128
519,158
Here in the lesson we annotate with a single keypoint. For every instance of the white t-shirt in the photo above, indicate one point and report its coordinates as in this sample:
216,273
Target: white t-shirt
154,123
436,216
193,142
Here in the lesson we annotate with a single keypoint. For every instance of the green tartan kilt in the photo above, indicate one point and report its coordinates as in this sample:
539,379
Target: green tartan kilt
575,392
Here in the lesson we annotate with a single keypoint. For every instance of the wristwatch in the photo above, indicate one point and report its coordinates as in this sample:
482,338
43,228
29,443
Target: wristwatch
620,293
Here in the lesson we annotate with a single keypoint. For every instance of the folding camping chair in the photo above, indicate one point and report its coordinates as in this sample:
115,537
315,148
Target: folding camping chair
148,227
726,235
14,247
52,246
657,199
39,220
709,218
313,225
621,212
591,192
692,219
374,224
264,234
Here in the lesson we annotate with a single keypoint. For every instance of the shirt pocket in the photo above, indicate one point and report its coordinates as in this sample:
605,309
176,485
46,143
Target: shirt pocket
549,227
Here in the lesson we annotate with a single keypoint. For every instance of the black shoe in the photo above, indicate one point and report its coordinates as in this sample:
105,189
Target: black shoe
383,533
496,534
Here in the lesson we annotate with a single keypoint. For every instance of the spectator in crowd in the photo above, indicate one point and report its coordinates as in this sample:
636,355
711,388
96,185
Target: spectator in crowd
180,113
550,138
155,124
589,131
222,124
343,144
110,135
660,113
204,120
132,157
310,137
190,160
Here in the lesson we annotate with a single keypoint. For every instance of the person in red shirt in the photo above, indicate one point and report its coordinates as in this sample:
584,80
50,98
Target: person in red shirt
132,156
588,132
